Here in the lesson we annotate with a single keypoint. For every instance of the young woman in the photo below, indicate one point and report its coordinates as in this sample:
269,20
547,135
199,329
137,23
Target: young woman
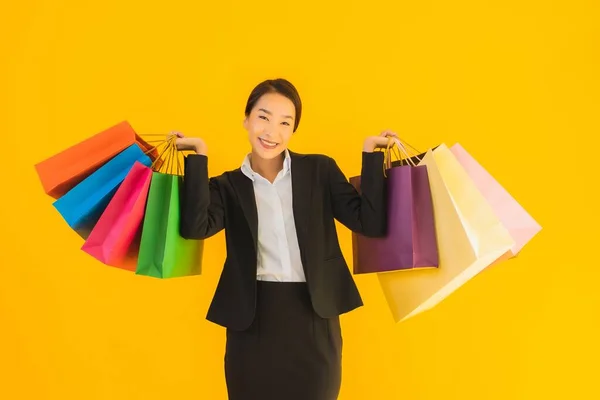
284,282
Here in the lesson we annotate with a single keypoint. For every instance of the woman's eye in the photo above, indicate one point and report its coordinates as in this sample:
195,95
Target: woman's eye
285,123
263,117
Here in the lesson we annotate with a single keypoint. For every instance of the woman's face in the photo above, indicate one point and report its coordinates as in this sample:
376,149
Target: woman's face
270,125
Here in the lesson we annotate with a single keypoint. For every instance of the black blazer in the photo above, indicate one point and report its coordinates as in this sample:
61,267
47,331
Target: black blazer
320,193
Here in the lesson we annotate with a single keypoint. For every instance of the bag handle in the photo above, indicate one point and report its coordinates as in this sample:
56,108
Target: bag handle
403,150
171,156
397,147
387,155
415,152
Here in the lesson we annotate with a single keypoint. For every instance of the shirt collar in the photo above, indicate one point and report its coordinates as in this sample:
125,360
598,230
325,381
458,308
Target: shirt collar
250,173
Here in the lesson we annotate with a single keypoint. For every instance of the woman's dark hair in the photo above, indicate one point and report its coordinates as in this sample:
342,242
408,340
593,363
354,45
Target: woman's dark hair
281,86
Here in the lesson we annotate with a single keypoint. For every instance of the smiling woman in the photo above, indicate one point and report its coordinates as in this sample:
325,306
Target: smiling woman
285,282
273,113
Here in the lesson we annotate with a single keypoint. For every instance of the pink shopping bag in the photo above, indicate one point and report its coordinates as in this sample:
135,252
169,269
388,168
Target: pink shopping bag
519,223
118,228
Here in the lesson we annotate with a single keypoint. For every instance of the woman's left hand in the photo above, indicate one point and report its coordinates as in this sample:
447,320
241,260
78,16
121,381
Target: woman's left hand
373,142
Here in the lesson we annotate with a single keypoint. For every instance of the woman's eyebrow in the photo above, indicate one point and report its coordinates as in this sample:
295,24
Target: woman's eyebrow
270,113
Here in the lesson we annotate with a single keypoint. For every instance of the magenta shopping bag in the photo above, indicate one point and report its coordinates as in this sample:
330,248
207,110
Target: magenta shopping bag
119,226
410,241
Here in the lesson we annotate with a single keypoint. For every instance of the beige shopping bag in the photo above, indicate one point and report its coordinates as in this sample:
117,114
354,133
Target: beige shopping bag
470,237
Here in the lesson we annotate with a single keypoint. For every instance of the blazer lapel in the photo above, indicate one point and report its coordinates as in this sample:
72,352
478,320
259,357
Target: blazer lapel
245,192
301,201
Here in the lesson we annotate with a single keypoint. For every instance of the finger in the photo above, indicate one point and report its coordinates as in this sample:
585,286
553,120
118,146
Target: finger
389,133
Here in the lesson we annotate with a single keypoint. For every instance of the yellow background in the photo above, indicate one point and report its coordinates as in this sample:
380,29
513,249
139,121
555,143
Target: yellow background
517,83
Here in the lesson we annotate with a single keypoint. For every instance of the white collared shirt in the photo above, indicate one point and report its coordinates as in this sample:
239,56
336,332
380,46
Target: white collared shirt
278,258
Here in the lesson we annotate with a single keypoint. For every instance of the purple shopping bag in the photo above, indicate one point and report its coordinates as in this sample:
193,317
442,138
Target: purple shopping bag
410,241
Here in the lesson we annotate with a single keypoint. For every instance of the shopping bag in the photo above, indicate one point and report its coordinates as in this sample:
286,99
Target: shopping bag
520,224
470,237
410,241
82,206
163,252
111,239
61,172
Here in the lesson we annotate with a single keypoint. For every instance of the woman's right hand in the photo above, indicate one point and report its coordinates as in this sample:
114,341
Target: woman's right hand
188,143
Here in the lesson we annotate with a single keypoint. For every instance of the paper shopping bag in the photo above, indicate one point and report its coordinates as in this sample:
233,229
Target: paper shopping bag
470,237
61,172
520,224
163,252
113,235
410,241
82,206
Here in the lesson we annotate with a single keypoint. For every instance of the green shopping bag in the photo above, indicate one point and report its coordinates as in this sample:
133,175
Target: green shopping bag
163,252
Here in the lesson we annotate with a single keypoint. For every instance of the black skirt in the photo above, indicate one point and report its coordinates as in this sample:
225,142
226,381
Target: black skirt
288,352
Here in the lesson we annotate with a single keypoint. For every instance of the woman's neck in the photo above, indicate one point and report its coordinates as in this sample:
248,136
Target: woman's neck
268,169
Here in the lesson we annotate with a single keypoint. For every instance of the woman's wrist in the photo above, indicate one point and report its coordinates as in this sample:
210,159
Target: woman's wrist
200,148
368,145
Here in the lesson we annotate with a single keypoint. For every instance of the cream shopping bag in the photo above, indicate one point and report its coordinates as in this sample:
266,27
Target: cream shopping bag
470,237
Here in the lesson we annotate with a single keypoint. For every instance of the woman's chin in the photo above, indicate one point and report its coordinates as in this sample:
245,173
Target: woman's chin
267,154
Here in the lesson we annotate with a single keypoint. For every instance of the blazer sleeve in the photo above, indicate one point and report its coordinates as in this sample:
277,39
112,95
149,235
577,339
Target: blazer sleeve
365,212
202,213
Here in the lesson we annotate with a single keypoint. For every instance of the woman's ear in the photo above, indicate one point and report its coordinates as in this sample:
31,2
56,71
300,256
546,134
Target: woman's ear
245,123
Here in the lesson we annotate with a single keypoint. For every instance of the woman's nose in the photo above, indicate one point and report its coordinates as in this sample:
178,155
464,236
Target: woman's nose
269,131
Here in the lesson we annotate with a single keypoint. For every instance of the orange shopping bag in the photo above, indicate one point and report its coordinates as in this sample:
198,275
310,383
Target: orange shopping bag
61,172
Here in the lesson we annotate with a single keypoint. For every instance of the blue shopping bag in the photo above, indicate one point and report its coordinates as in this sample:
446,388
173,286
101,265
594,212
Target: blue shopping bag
82,206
